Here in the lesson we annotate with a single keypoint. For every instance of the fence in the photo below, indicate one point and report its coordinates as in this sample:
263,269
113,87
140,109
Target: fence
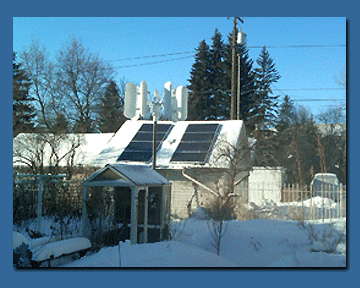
295,201
58,197
61,201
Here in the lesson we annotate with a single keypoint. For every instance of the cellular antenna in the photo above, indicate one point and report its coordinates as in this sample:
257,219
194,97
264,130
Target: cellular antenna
167,100
143,99
182,99
130,101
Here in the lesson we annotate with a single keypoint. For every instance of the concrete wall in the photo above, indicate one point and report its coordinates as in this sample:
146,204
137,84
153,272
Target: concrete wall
183,190
266,183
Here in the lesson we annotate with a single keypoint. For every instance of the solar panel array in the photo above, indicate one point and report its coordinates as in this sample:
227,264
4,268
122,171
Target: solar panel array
196,143
140,147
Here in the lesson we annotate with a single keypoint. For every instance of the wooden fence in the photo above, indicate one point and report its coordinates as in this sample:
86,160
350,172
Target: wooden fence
294,201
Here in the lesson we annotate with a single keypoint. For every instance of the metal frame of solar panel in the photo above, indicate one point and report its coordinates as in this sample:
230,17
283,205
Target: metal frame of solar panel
140,147
196,143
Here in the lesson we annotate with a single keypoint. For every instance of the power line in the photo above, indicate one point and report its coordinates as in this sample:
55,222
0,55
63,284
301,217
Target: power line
317,99
194,52
151,63
301,46
152,56
309,89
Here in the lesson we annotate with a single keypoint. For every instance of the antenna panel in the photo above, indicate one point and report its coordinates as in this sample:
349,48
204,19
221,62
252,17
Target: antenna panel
143,99
167,100
174,107
182,99
130,100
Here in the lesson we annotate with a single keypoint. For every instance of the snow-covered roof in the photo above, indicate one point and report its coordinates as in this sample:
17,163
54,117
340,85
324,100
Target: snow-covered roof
328,129
228,133
29,146
126,175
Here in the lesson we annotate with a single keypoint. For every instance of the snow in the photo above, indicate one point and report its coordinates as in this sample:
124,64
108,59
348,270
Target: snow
91,144
230,132
18,239
161,254
58,248
277,242
251,243
315,206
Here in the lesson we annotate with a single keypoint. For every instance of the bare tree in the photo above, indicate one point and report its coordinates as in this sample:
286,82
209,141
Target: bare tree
69,89
42,152
224,200
40,71
83,78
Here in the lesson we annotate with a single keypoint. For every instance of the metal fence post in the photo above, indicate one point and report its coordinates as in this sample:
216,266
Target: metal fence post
84,213
39,206
341,201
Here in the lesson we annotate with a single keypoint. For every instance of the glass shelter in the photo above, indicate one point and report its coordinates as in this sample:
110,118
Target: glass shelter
140,201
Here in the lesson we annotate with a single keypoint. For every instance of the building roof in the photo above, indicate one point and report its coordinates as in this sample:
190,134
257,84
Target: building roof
182,144
331,129
28,146
126,175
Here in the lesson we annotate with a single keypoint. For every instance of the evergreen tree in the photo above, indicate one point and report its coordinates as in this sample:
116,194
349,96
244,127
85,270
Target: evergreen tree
200,85
111,109
219,99
61,124
286,115
210,82
296,146
247,82
266,103
23,111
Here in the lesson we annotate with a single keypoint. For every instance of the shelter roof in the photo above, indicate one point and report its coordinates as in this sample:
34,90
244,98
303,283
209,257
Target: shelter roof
126,175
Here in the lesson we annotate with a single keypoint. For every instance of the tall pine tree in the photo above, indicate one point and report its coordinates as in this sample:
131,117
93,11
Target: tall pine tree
286,115
219,99
210,82
200,85
23,111
111,107
247,82
266,102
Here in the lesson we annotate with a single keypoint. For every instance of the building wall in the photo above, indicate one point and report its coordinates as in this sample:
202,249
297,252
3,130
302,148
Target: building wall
266,183
183,195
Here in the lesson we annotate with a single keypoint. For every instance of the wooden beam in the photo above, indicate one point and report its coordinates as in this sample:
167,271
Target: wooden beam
84,213
39,206
146,209
134,208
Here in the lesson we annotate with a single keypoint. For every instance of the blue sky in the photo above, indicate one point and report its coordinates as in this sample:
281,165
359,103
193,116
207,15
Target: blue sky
268,33
307,73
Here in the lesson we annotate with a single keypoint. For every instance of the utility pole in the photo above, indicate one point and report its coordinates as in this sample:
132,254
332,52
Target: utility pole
233,44
238,90
156,114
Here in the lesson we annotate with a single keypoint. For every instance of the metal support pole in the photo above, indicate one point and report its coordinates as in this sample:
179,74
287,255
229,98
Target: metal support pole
134,208
232,108
84,219
154,143
239,89
39,206
146,214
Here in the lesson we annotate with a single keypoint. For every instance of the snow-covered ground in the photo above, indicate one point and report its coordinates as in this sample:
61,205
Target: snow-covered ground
251,243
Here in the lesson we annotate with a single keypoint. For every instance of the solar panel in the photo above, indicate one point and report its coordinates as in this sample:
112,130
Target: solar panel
140,147
196,143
